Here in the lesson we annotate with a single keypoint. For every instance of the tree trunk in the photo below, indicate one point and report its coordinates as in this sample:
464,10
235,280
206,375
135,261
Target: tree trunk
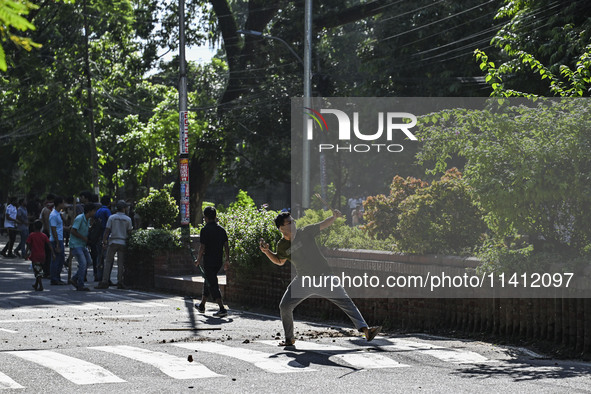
201,173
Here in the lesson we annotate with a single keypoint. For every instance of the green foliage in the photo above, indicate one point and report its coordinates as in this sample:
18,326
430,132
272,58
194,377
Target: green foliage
245,227
501,258
382,212
528,164
159,208
243,201
440,218
12,17
154,239
544,50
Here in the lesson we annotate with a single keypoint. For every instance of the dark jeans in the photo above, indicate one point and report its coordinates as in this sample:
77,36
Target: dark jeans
98,258
11,239
57,263
211,286
21,245
47,263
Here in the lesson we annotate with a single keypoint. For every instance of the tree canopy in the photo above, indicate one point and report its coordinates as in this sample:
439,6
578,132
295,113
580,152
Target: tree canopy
98,82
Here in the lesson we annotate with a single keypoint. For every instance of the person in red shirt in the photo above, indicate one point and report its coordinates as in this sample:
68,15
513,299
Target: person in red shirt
36,243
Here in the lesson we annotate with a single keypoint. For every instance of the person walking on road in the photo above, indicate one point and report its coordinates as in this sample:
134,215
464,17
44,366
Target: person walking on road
22,220
36,246
78,245
214,245
101,217
299,247
44,217
117,230
10,225
56,236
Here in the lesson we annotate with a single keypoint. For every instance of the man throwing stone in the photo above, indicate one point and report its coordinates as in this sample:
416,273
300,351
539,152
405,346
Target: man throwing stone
299,247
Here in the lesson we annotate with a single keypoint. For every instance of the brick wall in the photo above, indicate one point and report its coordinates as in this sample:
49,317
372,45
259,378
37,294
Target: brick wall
566,322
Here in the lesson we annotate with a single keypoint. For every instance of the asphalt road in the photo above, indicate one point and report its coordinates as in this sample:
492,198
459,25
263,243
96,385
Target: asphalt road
125,341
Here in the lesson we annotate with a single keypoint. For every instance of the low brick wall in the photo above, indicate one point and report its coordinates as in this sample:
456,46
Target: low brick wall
566,322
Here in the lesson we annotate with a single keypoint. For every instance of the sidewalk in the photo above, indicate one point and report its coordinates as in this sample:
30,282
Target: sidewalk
190,285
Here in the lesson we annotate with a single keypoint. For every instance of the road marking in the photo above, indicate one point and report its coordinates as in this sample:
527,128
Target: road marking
75,370
456,356
9,331
269,362
175,367
356,358
7,383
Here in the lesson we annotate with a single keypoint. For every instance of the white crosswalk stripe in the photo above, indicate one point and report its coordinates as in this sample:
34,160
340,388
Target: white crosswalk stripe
354,357
175,367
7,383
81,372
456,356
74,369
267,361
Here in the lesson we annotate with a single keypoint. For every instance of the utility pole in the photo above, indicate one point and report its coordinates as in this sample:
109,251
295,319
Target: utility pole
307,95
93,154
183,130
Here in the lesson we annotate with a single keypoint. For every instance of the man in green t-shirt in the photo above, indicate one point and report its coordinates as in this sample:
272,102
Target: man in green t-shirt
299,247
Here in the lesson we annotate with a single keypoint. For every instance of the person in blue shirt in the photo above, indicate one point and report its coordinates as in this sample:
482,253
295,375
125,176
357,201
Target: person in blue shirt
56,237
102,216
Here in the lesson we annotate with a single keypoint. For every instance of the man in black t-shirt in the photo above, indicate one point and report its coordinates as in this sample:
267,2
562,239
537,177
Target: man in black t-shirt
299,247
214,242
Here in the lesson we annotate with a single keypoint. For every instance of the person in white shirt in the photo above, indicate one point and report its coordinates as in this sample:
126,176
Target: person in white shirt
10,225
118,228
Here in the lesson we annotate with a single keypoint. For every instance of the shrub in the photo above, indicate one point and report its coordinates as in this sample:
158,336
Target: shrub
382,212
158,209
500,258
243,200
440,218
154,239
245,227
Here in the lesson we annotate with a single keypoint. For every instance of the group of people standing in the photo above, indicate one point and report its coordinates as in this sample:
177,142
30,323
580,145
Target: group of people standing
96,234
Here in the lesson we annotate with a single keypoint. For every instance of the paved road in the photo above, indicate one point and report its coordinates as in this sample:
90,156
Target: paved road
122,341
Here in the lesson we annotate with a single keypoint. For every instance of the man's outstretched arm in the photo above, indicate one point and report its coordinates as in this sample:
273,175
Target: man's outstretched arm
329,221
272,256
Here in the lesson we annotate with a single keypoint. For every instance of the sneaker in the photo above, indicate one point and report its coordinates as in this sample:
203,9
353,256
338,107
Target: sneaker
102,285
18,254
121,286
372,332
200,308
10,256
57,283
73,282
221,313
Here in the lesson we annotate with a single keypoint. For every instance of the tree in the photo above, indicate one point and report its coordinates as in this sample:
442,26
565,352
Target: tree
528,163
12,17
545,50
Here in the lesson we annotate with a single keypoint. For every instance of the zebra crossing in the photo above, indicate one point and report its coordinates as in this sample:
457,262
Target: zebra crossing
79,366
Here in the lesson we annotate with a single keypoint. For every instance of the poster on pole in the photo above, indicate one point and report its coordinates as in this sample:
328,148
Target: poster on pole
184,133
185,194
